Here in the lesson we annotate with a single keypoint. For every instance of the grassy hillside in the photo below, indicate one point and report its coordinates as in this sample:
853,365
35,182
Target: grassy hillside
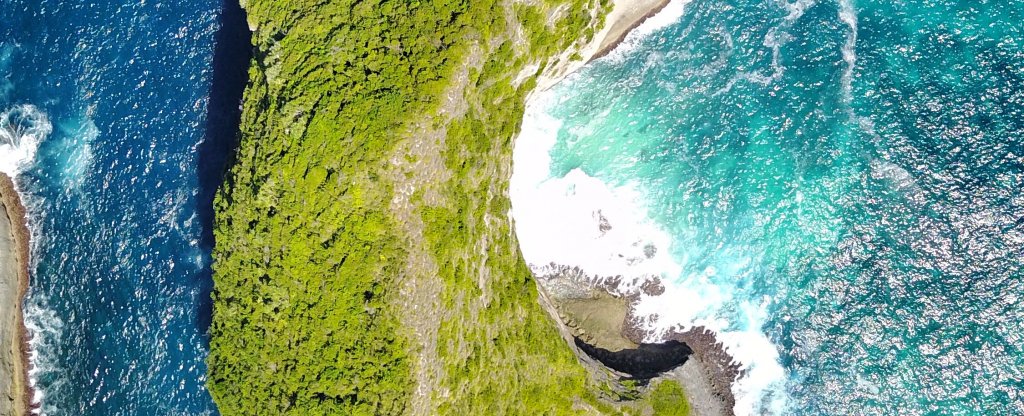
365,263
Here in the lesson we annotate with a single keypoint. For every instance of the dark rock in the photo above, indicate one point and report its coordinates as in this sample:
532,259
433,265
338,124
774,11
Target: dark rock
652,287
602,223
722,370
650,250
644,362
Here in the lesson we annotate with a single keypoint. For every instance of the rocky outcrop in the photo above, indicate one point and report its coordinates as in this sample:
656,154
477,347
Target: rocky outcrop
14,260
720,370
597,317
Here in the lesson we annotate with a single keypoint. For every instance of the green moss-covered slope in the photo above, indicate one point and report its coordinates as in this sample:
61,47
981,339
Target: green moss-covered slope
365,264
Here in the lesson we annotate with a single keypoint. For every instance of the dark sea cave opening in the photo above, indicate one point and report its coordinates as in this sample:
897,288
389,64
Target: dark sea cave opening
642,363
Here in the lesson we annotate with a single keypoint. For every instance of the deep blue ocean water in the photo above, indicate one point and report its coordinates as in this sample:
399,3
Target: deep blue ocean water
840,179
119,301
842,185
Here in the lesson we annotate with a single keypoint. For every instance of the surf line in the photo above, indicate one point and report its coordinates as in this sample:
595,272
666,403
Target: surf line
22,127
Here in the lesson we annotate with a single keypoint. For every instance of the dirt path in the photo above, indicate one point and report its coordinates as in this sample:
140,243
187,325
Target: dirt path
418,167
418,171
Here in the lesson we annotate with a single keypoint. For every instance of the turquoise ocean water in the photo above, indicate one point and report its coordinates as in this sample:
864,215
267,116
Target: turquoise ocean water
840,183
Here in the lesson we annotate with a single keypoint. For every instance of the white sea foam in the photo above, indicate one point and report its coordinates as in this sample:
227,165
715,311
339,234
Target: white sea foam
559,220
46,329
797,8
848,15
572,209
22,127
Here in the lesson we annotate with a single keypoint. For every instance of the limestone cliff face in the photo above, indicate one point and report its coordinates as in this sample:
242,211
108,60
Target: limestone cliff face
14,394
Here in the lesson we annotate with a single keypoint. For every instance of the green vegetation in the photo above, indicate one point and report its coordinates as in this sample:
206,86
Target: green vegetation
310,252
668,399
665,398
517,364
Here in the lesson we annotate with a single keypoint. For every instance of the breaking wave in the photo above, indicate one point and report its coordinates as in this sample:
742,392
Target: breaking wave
22,128
605,229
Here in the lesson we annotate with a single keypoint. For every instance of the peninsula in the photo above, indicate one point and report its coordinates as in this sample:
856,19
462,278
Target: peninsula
365,261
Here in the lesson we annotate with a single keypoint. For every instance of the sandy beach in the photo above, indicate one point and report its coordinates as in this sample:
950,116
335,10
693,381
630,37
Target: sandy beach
14,256
625,16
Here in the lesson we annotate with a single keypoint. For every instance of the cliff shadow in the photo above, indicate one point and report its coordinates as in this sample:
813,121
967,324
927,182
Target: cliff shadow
644,362
231,57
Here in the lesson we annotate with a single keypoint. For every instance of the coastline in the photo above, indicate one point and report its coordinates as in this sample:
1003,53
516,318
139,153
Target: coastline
14,245
707,377
624,17
630,16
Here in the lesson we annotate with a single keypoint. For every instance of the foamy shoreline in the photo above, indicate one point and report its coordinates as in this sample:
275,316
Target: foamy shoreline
635,264
579,222
14,276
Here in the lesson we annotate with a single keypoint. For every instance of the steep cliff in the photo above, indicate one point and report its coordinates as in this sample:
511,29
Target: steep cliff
365,260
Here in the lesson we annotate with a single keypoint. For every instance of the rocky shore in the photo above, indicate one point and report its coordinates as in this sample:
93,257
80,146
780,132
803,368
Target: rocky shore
595,314
597,317
14,273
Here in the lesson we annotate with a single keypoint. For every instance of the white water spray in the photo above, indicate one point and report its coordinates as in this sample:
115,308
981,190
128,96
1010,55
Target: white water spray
579,221
22,127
